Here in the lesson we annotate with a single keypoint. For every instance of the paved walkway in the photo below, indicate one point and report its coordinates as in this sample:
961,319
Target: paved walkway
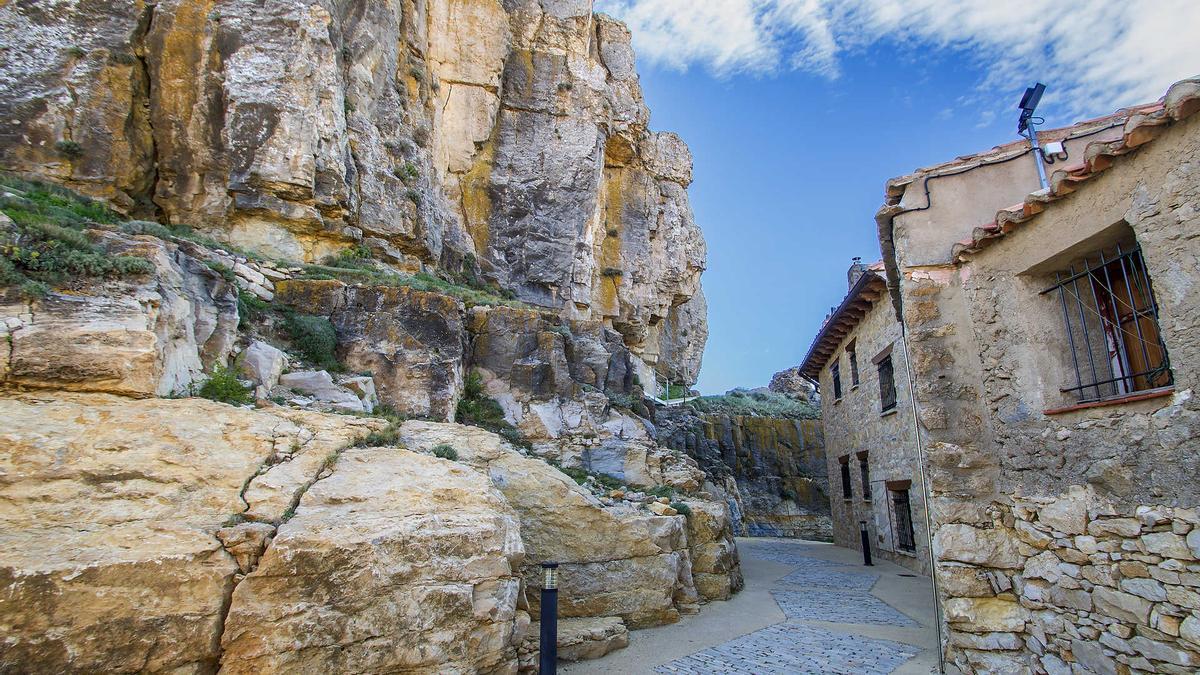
807,607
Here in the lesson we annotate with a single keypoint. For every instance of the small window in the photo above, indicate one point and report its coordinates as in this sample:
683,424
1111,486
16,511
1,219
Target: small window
1111,326
905,539
887,384
864,472
852,354
835,372
847,493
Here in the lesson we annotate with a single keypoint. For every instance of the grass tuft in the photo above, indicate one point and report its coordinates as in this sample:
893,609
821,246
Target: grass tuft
445,451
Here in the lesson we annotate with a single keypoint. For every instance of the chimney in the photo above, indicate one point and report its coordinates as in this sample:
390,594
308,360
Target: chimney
857,268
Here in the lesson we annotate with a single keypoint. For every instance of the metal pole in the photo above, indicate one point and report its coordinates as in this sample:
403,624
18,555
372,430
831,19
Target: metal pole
1037,156
548,656
866,543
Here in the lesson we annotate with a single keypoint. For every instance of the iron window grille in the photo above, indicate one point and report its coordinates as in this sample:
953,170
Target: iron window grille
887,384
846,492
864,472
905,538
1111,320
836,373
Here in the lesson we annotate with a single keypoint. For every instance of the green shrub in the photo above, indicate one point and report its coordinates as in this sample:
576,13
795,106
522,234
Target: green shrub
682,508
389,437
756,404
222,269
77,51
69,149
478,409
315,339
445,452
251,309
146,227
223,385
407,171
660,491
354,257
413,196
677,391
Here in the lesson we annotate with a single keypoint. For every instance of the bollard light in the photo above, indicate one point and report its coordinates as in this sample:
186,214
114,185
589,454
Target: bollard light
548,644
866,543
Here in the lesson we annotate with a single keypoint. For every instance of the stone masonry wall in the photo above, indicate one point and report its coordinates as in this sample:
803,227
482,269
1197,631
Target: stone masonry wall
854,424
1064,542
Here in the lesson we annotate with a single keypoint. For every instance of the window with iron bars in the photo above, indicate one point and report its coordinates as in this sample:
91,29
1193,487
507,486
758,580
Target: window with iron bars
1112,328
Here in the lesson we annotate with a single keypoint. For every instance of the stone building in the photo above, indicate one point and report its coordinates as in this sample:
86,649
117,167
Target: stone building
871,453
1055,362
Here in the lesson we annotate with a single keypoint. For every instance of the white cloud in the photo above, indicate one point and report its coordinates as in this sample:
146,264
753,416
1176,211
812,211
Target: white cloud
1096,54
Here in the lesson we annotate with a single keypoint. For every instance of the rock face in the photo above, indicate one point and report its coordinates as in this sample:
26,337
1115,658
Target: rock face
422,578
392,560
616,561
509,137
138,337
771,470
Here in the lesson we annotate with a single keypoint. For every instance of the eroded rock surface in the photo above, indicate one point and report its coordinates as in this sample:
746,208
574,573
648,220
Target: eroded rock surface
509,136
389,560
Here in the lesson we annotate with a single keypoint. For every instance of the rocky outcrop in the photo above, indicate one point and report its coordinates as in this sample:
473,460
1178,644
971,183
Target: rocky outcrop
615,561
139,336
770,470
792,383
505,137
394,561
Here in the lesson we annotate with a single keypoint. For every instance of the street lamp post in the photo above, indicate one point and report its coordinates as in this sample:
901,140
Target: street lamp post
548,656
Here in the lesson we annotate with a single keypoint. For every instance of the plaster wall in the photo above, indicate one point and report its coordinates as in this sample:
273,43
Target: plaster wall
855,424
960,202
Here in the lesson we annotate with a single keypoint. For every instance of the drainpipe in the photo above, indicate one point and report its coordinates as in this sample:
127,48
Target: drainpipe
926,494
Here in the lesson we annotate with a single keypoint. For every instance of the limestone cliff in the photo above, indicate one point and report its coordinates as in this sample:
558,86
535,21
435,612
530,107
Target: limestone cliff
508,138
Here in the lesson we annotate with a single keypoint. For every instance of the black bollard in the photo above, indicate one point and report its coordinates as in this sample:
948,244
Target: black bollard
548,661
866,543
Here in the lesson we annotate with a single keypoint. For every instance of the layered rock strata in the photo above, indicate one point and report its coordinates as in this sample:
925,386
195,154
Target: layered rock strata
509,137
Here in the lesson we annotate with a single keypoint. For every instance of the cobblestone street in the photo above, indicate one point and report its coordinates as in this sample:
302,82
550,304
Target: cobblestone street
807,608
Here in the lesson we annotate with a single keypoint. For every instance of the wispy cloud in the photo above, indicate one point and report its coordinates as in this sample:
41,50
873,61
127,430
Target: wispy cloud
1097,53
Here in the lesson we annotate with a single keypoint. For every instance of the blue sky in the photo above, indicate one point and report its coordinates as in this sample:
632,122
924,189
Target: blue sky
794,131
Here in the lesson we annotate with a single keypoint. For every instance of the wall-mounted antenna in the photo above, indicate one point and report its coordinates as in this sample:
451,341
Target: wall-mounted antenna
1027,127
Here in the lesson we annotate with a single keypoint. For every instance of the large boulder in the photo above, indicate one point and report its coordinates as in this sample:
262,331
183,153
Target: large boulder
141,535
108,511
395,561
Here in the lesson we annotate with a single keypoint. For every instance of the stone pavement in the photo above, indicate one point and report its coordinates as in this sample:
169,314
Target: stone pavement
807,607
